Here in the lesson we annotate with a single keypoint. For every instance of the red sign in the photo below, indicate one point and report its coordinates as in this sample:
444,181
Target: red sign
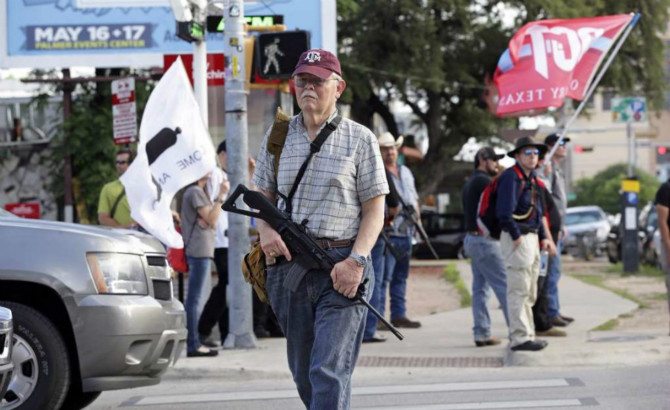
124,111
550,60
30,210
215,66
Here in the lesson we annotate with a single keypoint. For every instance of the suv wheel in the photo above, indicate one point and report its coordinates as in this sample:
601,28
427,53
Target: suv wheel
41,375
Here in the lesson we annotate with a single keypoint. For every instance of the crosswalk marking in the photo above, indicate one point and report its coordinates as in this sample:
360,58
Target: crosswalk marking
520,404
379,390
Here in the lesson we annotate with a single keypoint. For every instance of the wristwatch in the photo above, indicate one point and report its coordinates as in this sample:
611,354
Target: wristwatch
361,260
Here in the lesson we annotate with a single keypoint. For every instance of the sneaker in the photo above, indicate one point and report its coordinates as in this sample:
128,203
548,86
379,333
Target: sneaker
488,342
202,352
558,321
405,322
553,332
530,345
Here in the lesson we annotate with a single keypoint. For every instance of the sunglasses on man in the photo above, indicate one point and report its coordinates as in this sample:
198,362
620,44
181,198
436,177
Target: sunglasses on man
315,81
532,151
119,162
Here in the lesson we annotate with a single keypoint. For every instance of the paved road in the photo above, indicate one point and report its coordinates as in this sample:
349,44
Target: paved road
425,389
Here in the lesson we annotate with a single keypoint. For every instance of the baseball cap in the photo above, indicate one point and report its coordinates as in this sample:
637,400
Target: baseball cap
551,139
318,62
487,153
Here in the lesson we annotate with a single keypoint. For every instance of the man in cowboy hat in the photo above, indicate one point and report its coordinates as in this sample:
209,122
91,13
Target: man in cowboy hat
519,212
488,269
340,201
400,234
557,186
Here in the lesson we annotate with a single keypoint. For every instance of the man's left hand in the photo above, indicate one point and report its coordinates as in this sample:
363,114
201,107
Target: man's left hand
346,276
548,245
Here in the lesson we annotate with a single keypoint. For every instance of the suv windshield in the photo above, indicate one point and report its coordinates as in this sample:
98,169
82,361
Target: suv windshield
583,217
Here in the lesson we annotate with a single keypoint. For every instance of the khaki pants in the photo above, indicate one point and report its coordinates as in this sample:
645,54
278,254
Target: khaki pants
523,267
666,270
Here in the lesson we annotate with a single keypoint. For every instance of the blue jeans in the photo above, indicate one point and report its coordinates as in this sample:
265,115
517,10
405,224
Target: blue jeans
323,329
377,256
396,272
488,271
553,275
198,269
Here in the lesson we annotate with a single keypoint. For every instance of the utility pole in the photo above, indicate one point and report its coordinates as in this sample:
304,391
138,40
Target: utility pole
200,62
241,333
68,88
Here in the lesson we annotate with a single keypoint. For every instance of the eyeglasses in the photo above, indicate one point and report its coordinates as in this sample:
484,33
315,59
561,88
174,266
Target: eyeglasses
532,152
315,81
121,162
562,143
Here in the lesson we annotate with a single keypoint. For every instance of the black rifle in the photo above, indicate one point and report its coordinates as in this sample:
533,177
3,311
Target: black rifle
300,243
397,253
410,214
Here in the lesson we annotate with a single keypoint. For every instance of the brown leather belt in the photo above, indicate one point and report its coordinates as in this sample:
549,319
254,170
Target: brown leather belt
328,244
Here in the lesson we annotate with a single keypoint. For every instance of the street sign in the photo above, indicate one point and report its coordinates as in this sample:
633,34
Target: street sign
124,111
30,210
629,109
277,53
215,66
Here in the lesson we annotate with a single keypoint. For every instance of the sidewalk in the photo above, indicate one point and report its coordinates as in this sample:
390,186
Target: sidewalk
445,340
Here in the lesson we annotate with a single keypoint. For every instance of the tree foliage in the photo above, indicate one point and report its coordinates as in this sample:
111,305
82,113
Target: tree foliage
435,54
604,188
87,136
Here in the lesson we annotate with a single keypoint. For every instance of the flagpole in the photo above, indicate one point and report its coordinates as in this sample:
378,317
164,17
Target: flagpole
593,86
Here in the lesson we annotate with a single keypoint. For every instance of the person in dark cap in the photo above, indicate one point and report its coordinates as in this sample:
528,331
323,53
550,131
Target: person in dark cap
557,187
519,212
488,269
339,199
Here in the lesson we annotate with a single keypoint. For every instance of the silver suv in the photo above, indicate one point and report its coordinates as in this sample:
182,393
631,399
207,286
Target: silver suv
92,309
6,365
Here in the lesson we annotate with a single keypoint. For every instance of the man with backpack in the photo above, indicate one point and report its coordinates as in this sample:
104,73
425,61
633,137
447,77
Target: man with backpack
519,213
488,269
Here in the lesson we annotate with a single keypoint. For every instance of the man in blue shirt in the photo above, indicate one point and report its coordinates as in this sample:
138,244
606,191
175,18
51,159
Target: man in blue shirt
519,212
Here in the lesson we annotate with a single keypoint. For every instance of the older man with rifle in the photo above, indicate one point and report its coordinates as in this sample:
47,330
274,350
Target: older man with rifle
330,181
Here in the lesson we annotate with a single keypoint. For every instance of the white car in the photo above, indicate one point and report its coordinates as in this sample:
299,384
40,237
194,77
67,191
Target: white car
588,222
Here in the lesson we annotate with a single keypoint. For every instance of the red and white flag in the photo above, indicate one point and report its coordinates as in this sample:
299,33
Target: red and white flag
549,60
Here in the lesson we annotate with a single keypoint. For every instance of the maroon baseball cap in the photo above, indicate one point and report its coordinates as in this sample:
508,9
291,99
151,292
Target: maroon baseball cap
318,62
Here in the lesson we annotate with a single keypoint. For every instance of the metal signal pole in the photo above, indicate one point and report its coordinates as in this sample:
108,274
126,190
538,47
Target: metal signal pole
241,333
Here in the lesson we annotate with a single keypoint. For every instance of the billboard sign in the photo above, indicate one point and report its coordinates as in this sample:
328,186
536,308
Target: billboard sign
64,33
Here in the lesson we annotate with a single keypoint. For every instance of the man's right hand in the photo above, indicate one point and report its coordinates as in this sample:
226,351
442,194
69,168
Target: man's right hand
517,242
271,242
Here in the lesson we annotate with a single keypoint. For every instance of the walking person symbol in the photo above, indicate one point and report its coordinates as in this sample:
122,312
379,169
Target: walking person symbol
272,51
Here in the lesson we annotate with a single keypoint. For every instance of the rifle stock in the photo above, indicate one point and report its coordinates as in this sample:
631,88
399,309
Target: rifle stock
295,237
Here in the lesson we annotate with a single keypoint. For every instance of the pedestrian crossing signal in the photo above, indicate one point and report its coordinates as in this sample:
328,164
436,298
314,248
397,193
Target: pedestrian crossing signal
277,53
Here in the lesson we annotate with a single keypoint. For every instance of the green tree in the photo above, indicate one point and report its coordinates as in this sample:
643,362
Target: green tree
435,54
604,188
87,136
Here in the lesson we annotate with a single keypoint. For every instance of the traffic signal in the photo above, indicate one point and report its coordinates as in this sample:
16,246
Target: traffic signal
277,53
190,31
662,150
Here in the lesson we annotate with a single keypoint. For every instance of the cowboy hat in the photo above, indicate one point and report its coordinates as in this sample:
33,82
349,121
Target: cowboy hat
387,140
523,142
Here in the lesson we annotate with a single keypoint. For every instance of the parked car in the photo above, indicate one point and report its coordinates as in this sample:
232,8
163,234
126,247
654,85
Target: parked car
6,364
647,226
446,233
581,221
93,310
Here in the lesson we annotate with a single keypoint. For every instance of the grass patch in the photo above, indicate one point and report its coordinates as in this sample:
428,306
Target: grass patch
659,296
598,280
626,315
453,276
609,325
643,270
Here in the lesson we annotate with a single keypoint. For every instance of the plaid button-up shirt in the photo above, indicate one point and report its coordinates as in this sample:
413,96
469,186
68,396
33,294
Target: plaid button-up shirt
347,171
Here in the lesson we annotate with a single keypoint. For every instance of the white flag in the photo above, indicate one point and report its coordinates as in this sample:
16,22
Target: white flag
174,150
